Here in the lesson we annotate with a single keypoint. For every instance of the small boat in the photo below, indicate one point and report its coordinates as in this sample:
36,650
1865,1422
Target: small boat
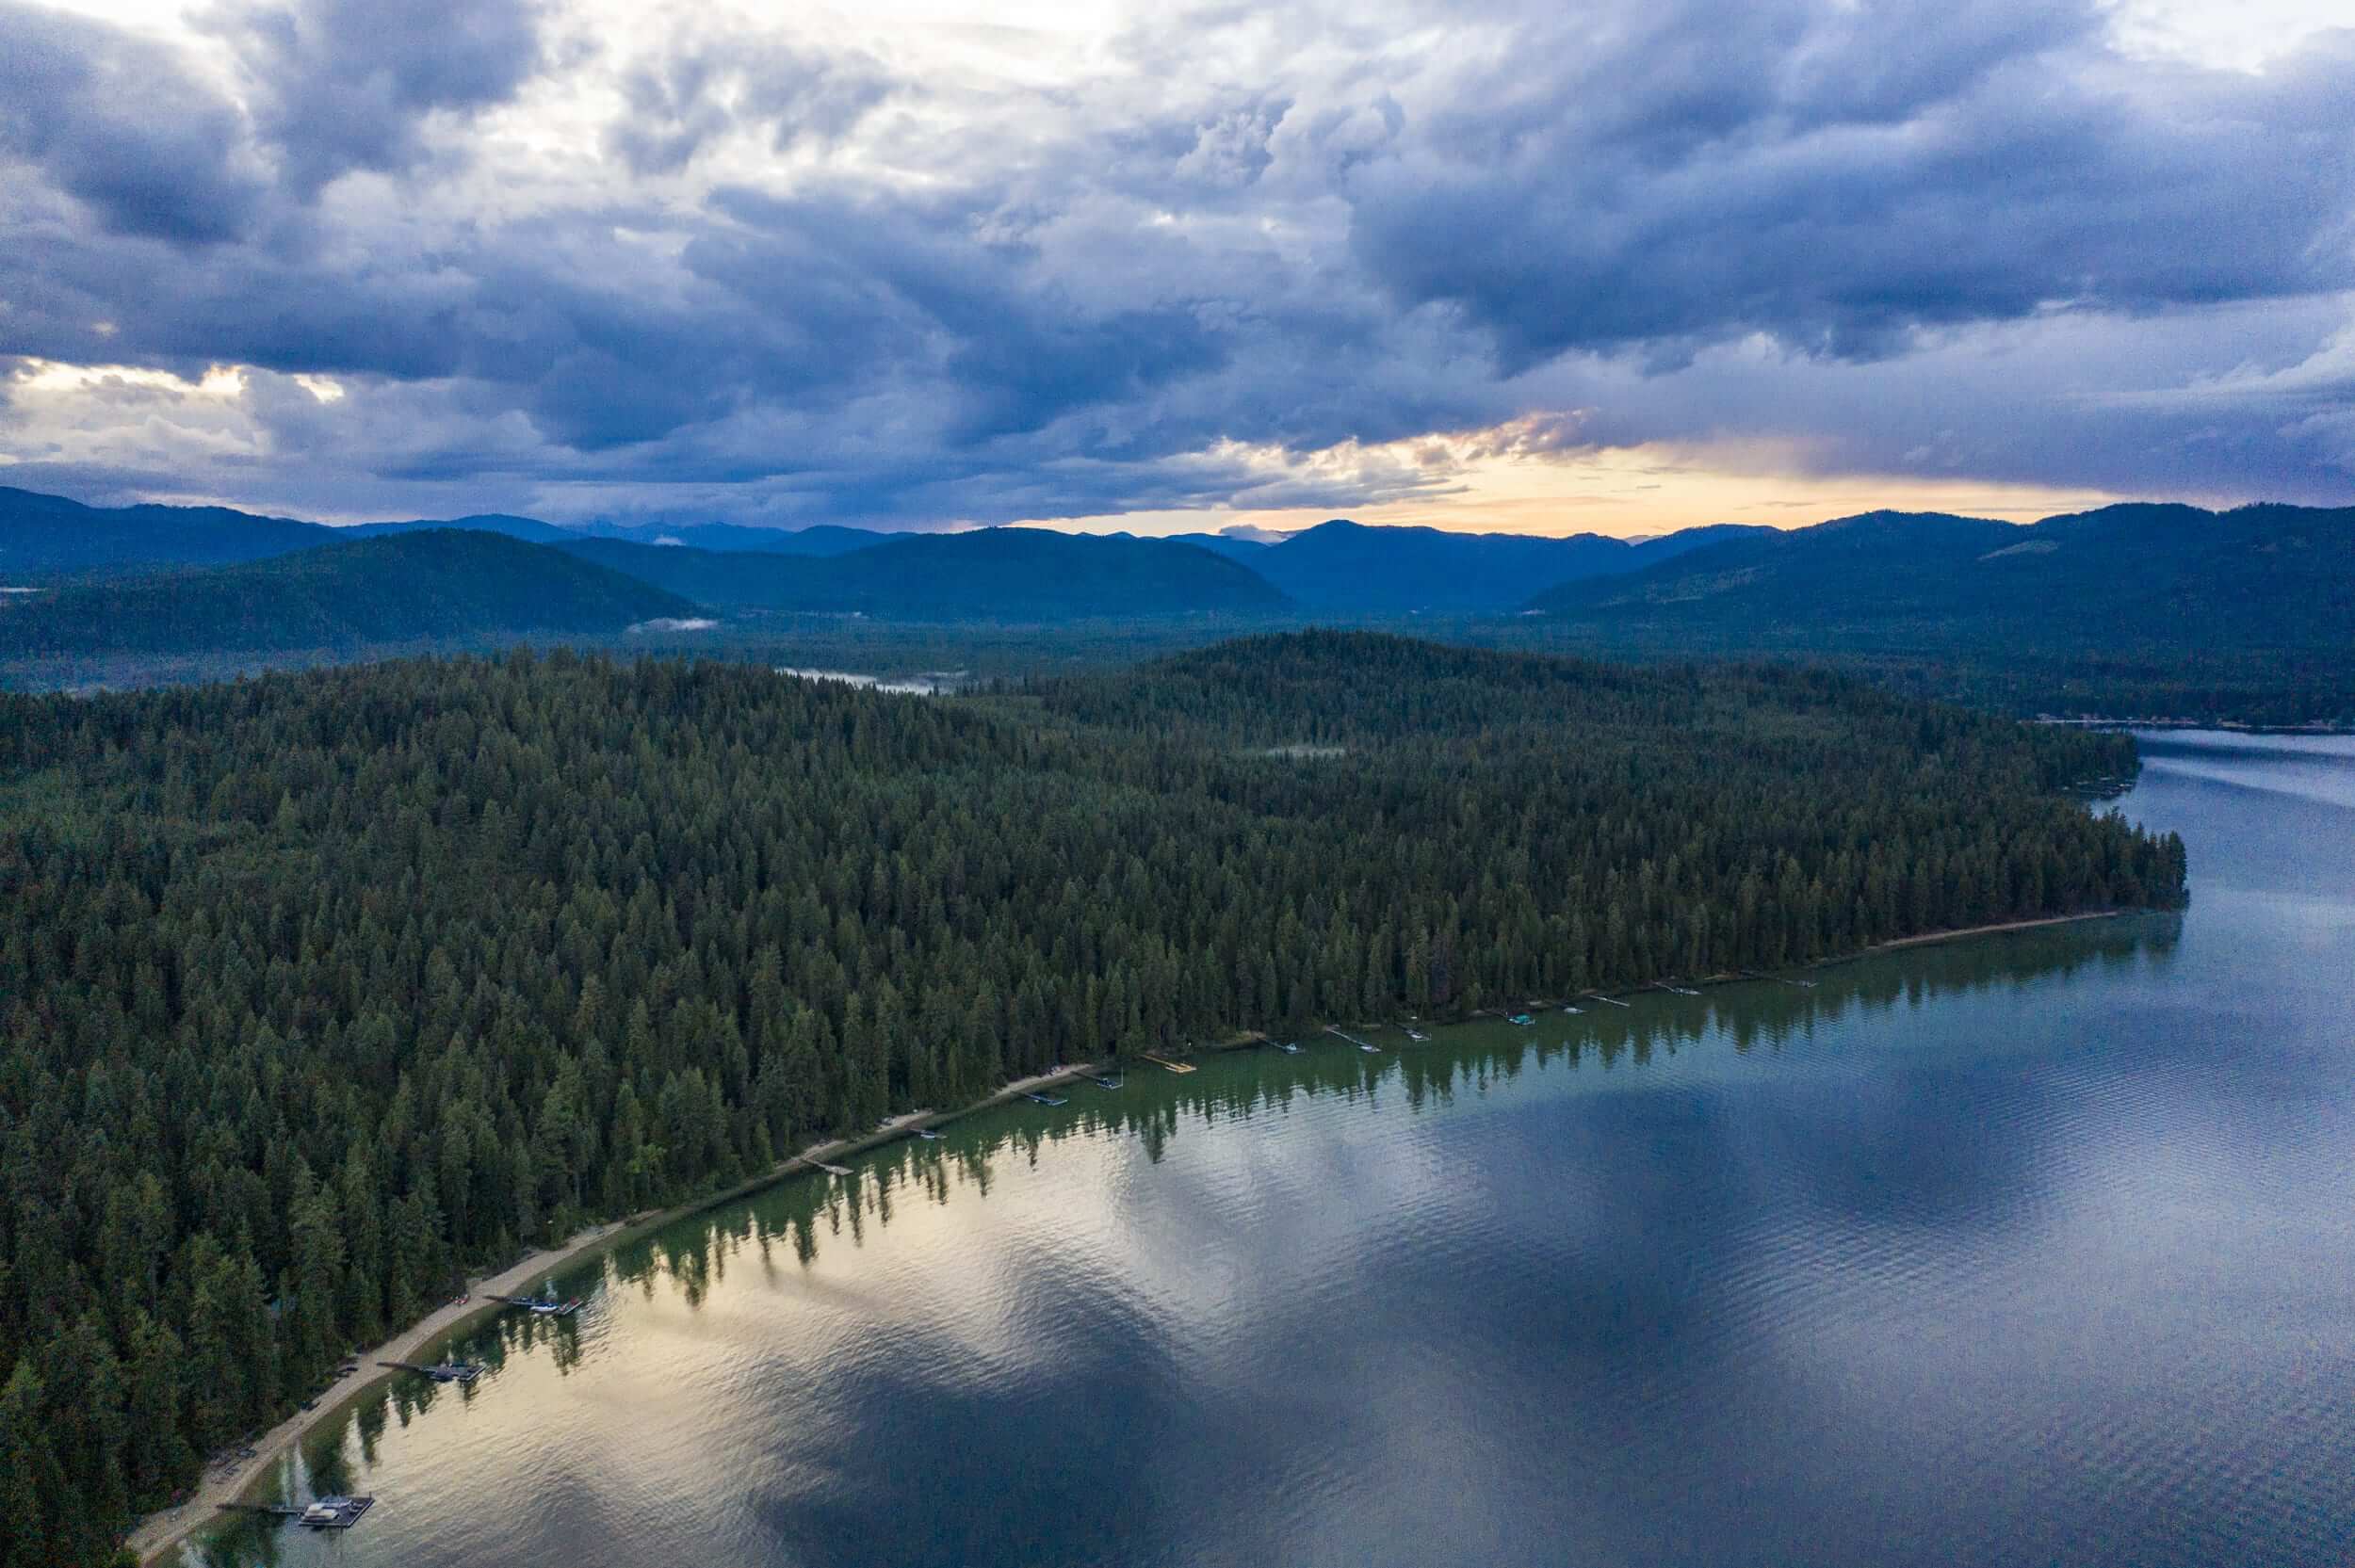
327,1514
1370,1050
928,1135
1417,1034
1290,1048
1566,1008
1113,1080
1522,1018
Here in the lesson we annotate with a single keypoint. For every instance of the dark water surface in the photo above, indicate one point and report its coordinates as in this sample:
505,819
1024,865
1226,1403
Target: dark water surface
2034,1249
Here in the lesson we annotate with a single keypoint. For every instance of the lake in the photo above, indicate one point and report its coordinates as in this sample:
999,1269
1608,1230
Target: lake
2037,1248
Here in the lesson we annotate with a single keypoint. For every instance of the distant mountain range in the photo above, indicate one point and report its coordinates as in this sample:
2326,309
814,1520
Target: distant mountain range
2175,596
2264,576
1338,566
823,539
1341,565
982,574
44,538
426,584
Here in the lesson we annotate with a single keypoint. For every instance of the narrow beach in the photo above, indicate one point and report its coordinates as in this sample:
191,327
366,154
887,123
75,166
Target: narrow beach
160,1533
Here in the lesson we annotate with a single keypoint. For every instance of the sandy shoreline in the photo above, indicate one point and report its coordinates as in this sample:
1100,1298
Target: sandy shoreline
1956,935
158,1533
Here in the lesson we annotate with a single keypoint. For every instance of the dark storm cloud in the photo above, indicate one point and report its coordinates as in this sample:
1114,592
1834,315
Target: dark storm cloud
345,83
1070,303
681,102
113,123
1658,177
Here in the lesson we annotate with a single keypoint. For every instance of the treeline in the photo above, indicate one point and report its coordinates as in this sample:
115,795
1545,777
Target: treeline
319,990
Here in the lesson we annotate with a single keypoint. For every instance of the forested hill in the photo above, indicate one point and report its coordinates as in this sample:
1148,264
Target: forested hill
317,989
2127,575
47,537
396,588
1002,575
529,528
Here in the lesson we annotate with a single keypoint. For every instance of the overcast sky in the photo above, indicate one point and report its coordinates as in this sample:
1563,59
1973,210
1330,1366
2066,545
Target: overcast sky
1546,267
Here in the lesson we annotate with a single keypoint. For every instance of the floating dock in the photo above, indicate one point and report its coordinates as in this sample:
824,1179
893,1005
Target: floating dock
327,1514
446,1371
1108,1081
1037,1099
541,1306
1173,1066
1598,996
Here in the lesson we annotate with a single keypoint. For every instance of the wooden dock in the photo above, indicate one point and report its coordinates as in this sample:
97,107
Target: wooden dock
1164,1061
1366,1046
834,1170
1601,997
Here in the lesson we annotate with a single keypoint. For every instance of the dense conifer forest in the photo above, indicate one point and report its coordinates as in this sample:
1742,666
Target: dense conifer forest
319,990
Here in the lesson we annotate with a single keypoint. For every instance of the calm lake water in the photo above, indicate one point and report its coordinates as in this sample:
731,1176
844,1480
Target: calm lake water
2035,1248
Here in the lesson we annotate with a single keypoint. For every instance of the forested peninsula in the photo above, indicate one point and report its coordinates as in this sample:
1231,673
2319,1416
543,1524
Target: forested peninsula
319,989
